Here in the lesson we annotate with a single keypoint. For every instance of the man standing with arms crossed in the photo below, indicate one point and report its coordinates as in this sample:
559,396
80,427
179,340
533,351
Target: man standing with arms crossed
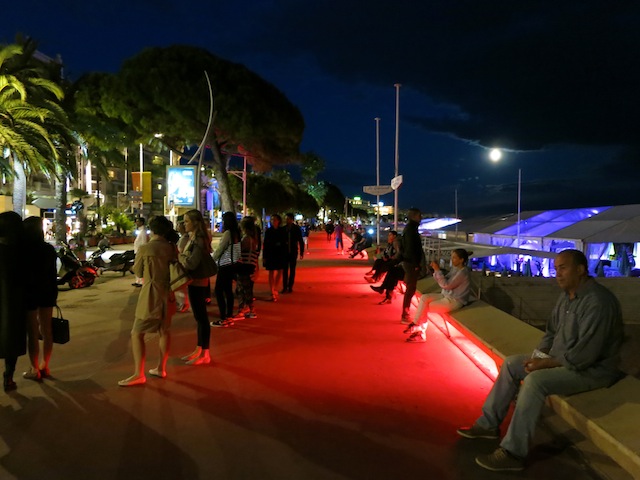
578,352
411,254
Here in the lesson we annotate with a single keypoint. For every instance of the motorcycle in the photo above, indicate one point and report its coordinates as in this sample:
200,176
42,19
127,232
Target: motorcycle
118,262
77,273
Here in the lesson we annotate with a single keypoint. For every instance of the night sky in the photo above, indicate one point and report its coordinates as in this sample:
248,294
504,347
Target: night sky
556,84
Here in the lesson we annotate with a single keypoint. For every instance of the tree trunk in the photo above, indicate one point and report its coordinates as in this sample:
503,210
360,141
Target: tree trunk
19,187
60,218
220,169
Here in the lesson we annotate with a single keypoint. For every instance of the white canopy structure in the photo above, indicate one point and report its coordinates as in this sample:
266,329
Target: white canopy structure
609,236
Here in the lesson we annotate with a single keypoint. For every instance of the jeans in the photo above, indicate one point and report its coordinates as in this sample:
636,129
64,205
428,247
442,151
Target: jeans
198,298
289,273
395,274
533,392
224,291
411,281
10,366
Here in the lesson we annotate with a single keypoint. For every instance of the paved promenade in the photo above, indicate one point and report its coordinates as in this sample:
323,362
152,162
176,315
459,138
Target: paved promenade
320,386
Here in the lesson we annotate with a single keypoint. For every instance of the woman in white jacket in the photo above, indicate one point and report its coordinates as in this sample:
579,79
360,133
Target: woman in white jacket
456,287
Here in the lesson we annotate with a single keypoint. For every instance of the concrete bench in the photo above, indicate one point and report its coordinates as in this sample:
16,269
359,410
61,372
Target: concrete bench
607,416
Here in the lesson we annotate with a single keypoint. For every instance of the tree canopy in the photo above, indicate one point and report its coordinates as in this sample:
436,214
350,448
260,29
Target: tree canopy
104,136
164,91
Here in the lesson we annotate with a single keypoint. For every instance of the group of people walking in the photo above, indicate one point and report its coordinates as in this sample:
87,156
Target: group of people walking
283,245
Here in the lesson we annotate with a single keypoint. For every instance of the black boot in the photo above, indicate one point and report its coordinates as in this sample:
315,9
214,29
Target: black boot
8,382
377,289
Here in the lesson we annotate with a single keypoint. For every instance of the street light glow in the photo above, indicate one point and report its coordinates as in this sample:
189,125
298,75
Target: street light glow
495,154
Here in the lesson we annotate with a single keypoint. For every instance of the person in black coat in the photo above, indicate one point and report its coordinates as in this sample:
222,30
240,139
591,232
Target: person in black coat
293,236
41,296
274,253
13,314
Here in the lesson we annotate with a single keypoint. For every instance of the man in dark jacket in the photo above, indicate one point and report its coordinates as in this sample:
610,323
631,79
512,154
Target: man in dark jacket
293,236
411,248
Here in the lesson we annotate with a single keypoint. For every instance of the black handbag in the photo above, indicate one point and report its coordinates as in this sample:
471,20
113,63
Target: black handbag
60,328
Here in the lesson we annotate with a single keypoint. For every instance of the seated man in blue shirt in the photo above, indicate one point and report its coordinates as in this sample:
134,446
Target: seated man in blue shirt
579,352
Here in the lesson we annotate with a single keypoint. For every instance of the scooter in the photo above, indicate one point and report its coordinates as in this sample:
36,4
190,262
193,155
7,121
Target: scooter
118,262
77,273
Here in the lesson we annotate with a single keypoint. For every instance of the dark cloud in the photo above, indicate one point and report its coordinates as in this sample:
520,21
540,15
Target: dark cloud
525,74
553,82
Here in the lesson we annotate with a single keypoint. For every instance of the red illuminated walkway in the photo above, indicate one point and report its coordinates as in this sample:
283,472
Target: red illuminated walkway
320,386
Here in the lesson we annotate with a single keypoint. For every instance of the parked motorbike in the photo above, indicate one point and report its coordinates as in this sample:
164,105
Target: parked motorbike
77,273
118,262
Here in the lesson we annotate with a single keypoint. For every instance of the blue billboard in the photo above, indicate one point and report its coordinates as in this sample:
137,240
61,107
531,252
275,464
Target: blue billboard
181,185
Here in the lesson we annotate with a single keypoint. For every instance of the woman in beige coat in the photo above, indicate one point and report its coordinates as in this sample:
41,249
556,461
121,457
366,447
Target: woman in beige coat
156,303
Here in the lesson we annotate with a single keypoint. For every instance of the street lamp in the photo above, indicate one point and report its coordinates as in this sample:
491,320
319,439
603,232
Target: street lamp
242,175
377,119
395,190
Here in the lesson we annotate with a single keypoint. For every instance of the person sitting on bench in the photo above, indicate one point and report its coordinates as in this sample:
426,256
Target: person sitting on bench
384,261
456,287
580,351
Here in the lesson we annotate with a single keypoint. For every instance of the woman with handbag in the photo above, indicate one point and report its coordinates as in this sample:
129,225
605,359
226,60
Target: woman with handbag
156,303
41,297
227,255
196,259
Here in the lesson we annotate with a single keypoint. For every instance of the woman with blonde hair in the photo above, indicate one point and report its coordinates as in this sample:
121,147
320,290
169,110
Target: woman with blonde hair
197,260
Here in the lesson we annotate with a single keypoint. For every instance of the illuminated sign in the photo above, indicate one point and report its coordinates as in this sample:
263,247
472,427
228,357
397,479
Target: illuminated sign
181,185
146,185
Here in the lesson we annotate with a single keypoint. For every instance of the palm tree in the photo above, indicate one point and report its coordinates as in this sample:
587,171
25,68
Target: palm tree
33,125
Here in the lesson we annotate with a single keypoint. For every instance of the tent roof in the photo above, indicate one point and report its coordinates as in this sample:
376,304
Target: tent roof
618,224
478,250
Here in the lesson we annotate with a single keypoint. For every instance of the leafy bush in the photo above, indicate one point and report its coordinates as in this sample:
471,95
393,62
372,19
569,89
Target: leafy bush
117,220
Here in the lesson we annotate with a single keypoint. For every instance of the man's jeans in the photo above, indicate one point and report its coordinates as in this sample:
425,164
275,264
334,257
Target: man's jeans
535,388
411,281
289,272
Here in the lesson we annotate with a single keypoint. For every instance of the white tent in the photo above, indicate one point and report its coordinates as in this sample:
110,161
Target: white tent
609,236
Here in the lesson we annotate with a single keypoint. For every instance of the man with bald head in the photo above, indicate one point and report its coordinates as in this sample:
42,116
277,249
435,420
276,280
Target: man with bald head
578,352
